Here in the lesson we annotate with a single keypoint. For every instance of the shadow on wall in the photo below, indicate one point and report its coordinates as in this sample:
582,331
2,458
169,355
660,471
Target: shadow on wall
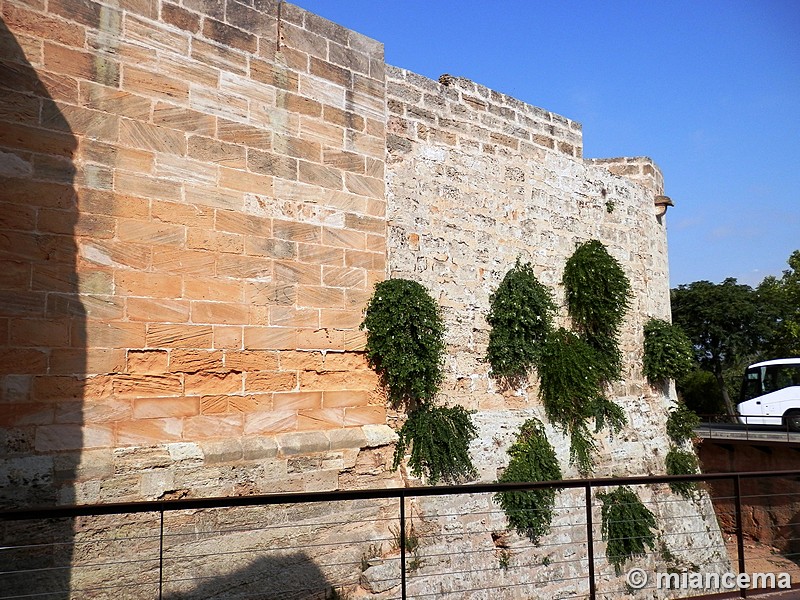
289,577
42,320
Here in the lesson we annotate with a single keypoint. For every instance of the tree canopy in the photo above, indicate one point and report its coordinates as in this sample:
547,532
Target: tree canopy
731,325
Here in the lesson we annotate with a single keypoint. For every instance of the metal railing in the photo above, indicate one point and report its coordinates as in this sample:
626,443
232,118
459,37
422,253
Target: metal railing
423,542
746,428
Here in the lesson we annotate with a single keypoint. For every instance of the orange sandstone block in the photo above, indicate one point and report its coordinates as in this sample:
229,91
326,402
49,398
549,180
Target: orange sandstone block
155,408
90,361
273,421
214,405
340,319
344,398
287,316
214,241
213,426
344,277
364,415
108,335
135,386
228,337
190,215
327,339
209,383
249,403
62,437
224,313
319,297
212,289
54,333
148,285
320,419
346,361
183,262
158,310
25,414
148,431
147,361
269,381
301,361
296,400
178,336
251,360
149,232
270,338
96,410
338,380
183,360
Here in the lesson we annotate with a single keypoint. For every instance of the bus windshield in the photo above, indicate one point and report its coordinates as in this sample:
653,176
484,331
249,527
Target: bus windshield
769,378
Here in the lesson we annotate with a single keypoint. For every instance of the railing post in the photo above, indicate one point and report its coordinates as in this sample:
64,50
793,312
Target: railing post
737,494
590,541
161,555
402,547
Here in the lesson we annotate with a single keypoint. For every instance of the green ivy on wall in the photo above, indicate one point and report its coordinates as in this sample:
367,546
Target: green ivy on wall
520,317
628,526
682,462
668,352
405,346
405,341
439,438
532,459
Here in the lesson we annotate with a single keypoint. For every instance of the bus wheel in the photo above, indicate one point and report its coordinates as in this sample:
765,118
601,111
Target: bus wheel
792,420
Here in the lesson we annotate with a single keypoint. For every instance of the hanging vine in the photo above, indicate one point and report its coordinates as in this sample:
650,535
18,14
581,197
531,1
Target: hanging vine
628,526
668,351
405,346
520,317
533,458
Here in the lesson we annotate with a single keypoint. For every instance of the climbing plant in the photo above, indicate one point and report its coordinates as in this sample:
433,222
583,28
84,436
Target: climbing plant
571,388
405,341
597,294
439,438
668,352
405,346
681,424
628,526
682,462
520,317
533,458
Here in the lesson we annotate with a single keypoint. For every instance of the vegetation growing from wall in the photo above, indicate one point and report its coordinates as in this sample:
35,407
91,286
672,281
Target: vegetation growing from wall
439,438
681,423
405,341
572,393
668,353
598,294
520,316
628,526
532,459
682,462
405,346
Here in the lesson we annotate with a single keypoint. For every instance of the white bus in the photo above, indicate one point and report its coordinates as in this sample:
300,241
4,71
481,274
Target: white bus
771,394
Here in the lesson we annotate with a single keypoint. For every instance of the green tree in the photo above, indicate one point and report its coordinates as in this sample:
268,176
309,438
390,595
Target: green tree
780,298
726,324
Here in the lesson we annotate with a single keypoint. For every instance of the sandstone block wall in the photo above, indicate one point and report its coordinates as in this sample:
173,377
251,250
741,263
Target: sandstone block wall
193,217
197,198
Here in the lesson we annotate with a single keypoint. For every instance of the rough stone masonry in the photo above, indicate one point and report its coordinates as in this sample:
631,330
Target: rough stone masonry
197,199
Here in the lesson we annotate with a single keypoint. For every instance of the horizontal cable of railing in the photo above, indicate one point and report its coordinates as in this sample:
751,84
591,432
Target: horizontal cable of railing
55,512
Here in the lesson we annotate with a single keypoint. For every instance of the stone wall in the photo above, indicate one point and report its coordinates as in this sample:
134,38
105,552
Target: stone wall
198,198
193,218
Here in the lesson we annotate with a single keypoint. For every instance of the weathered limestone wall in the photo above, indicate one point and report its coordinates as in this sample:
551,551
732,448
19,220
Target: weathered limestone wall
485,179
475,180
197,199
193,217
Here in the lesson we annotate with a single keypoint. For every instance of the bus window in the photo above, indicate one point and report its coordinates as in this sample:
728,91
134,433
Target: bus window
752,384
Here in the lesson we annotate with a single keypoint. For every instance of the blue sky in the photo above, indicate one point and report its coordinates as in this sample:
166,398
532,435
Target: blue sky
709,89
